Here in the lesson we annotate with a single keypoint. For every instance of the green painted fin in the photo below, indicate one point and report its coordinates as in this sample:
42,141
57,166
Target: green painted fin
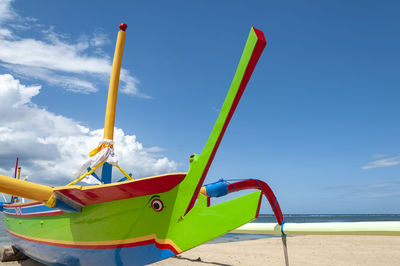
204,223
200,165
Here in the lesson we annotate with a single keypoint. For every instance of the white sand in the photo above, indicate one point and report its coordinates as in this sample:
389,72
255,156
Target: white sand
303,250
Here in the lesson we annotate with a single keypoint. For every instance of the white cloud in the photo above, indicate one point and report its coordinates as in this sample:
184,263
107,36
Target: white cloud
56,60
379,155
52,56
385,162
6,12
52,147
4,33
99,39
67,82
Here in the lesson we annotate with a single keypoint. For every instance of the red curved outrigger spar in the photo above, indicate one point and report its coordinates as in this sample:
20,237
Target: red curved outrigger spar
223,187
265,189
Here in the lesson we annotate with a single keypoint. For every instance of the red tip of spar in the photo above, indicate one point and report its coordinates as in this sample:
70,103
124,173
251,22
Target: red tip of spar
260,35
123,26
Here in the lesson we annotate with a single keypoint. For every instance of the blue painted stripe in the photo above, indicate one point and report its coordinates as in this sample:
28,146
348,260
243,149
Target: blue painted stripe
9,210
53,255
36,208
29,210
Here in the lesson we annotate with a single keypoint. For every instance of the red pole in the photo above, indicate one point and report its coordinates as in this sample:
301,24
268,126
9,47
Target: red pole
15,176
16,168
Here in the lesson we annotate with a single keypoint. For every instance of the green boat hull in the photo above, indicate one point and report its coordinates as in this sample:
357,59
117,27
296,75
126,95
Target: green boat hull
129,229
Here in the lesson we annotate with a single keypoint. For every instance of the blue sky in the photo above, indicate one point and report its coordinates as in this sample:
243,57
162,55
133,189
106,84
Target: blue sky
319,120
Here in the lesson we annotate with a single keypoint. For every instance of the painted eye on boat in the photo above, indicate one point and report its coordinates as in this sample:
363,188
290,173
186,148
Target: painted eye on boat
157,205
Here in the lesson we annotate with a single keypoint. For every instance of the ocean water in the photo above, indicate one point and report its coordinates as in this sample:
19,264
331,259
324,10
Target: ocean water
306,218
320,218
269,218
3,235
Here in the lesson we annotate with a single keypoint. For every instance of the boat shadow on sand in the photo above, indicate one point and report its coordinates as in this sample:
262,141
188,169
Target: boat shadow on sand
198,260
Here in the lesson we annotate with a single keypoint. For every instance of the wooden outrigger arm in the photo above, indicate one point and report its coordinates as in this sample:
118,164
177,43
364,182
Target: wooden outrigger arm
25,189
46,194
339,228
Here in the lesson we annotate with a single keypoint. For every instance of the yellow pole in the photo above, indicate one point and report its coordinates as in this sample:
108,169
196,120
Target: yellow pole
85,174
25,189
18,176
113,87
19,173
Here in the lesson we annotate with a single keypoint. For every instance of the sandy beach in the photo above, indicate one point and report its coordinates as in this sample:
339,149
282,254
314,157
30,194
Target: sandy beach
303,250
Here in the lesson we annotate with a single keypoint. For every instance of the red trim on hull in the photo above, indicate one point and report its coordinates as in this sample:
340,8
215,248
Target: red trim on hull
23,204
125,190
113,246
166,246
36,214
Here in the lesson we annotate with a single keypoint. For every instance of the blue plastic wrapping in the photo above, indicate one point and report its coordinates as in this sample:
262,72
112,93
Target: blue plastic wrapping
217,189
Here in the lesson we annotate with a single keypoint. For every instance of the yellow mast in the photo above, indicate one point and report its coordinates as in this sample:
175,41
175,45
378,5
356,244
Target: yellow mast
18,176
19,173
113,87
25,189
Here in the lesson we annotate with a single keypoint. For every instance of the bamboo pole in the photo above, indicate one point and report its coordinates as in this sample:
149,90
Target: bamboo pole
15,176
19,173
25,189
113,87
343,228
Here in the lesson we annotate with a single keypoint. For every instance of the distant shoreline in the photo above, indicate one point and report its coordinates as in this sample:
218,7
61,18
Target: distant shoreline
270,218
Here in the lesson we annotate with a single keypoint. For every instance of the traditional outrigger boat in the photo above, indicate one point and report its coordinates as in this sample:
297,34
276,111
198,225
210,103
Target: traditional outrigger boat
140,221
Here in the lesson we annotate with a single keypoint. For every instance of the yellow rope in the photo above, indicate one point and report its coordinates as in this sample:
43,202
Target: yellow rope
85,174
99,148
125,173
